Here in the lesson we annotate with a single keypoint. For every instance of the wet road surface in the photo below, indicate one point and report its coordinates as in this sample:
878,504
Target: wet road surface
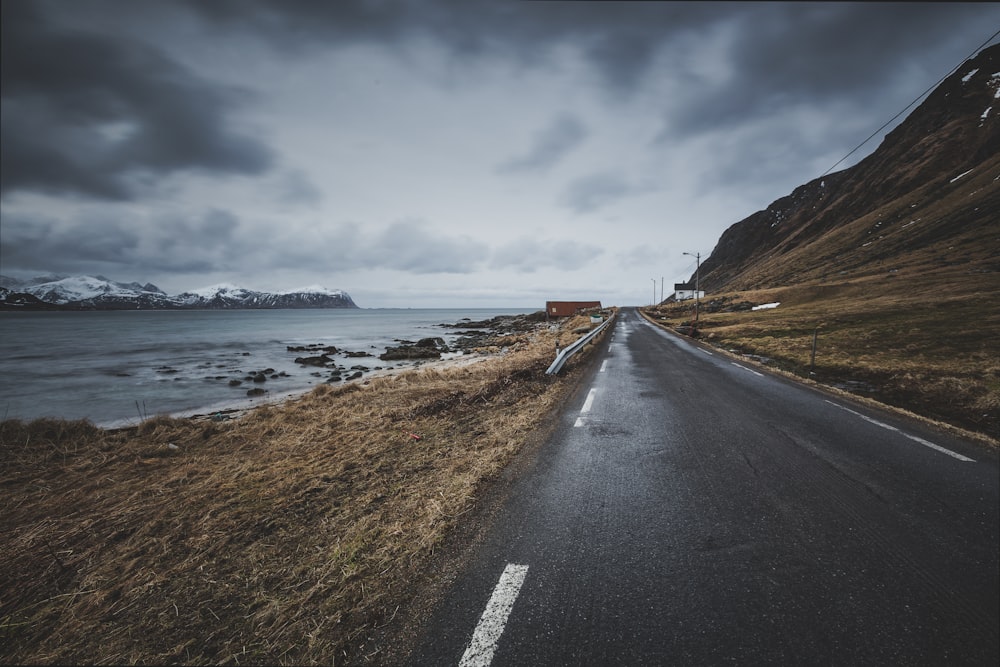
693,510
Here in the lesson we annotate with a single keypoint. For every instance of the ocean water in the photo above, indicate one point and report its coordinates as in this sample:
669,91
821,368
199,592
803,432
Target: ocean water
116,367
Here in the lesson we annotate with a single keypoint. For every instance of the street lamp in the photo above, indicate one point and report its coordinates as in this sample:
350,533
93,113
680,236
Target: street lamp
697,285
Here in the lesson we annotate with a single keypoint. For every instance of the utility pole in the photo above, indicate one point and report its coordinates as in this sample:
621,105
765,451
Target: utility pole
812,359
697,283
661,288
654,290
697,286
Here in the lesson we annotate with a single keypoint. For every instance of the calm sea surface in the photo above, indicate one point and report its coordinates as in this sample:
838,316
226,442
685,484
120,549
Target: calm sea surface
112,367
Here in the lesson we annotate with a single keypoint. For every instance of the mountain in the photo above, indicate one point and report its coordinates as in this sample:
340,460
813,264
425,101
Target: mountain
927,199
100,293
883,279
232,296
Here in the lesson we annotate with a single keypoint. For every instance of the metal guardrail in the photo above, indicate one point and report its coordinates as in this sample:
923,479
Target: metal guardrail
571,349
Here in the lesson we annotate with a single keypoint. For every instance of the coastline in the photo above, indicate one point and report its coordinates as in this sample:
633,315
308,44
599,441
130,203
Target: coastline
179,530
486,340
117,370
237,408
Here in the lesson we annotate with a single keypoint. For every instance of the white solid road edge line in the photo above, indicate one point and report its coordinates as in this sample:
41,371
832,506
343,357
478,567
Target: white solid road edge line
750,370
925,443
494,618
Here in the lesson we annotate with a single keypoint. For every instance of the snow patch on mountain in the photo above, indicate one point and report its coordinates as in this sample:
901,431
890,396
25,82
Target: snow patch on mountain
82,288
98,292
214,290
315,289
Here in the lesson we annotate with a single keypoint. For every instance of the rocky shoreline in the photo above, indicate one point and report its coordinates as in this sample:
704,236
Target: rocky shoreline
475,341
475,336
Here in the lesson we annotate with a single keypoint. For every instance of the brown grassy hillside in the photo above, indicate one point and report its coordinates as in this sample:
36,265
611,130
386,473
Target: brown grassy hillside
896,337
893,263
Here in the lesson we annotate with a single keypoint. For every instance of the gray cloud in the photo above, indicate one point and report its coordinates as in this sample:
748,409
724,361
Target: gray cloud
595,191
119,118
295,188
46,244
217,241
124,243
101,116
413,246
550,145
527,255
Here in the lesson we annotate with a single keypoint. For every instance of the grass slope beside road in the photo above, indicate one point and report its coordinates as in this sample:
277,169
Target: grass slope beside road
285,537
926,343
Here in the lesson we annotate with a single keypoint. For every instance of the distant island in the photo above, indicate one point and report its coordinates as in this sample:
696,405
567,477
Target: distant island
74,293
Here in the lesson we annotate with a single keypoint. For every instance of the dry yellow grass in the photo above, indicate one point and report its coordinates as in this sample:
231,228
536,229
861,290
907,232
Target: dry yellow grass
284,537
918,340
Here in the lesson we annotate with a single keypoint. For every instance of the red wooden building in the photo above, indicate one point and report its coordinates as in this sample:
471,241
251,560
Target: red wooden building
567,308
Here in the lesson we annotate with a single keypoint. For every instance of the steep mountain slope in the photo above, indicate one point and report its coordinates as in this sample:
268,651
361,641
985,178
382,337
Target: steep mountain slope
887,273
928,199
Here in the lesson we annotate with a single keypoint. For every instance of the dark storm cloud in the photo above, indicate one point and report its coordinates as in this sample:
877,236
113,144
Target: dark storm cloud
786,55
103,116
550,145
791,48
620,41
40,243
117,242
771,55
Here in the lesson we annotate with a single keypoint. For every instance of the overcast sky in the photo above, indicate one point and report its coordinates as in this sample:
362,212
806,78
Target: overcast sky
435,154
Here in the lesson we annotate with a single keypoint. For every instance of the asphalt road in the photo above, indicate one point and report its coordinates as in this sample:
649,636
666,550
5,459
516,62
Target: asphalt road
692,510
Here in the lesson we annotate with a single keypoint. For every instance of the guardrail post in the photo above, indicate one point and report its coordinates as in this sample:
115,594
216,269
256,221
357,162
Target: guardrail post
563,354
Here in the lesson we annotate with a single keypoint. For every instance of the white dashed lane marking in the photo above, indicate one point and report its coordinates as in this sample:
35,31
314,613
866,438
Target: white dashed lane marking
587,405
494,619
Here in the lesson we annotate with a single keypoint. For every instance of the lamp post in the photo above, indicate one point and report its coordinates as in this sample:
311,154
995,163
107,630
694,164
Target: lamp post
697,286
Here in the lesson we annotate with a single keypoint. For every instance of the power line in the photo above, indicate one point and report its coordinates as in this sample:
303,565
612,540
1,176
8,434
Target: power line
919,97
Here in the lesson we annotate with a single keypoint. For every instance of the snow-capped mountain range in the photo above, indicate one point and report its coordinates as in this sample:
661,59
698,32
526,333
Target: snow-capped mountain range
100,293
